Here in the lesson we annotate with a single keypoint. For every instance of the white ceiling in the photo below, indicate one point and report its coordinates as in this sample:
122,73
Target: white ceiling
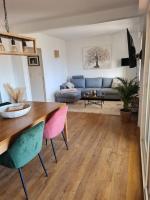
77,32
23,11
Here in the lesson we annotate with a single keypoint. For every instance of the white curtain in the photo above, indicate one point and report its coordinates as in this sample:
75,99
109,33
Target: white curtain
144,120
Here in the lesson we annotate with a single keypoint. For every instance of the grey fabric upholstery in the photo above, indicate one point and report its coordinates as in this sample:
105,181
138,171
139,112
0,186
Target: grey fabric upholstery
78,82
77,76
101,85
93,82
110,93
68,97
107,82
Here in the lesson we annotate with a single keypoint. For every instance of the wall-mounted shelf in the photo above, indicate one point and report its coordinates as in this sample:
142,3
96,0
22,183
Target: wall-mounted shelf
20,38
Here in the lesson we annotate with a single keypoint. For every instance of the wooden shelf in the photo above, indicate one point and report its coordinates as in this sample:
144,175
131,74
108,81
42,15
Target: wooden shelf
16,37
18,53
19,38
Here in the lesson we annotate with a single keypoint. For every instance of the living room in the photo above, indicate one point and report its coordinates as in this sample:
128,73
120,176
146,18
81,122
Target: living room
65,79
110,37
71,44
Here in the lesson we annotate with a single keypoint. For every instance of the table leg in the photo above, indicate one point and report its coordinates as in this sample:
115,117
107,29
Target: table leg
101,103
66,130
85,103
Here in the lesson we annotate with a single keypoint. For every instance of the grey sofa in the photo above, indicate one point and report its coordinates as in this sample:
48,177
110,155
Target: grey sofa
101,85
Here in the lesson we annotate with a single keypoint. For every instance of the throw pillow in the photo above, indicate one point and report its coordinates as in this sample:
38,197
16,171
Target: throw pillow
107,82
115,83
69,85
78,82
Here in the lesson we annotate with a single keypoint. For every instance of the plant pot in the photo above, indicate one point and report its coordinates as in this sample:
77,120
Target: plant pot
125,115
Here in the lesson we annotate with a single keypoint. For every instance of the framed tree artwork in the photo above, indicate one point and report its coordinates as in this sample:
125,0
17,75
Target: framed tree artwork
96,57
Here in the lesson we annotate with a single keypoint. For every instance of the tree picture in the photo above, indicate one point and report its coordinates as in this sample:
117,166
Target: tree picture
96,57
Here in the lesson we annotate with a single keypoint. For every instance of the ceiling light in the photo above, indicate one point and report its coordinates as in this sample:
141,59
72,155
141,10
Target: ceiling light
13,45
14,37
24,46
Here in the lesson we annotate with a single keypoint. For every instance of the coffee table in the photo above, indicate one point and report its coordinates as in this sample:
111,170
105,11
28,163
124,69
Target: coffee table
91,97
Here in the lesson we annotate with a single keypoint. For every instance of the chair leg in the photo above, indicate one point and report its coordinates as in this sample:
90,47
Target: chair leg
46,142
53,148
65,140
42,163
23,183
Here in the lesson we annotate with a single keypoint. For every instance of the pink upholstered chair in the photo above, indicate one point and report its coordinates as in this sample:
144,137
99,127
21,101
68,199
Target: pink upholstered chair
55,126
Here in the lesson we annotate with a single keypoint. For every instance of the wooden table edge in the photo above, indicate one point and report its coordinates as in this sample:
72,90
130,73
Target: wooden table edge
4,145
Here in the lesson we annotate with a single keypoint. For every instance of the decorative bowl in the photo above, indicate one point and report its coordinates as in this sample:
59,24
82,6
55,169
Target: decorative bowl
8,112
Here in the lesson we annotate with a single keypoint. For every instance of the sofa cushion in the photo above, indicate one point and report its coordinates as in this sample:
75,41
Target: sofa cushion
89,89
78,82
77,76
107,82
93,82
111,91
68,97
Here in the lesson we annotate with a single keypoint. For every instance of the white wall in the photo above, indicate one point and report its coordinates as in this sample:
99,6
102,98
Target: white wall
6,75
118,43
55,69
19,75
14,69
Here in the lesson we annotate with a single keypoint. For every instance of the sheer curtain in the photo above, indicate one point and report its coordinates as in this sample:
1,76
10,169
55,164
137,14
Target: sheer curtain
145,111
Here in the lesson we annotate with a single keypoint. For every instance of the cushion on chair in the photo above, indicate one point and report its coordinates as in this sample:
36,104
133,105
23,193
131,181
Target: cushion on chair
78,82
55,125
107,82
25,148
93,82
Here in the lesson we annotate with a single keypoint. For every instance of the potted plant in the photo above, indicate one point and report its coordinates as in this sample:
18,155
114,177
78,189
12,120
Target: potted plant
127,90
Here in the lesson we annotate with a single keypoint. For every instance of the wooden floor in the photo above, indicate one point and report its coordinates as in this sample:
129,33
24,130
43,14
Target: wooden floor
103,163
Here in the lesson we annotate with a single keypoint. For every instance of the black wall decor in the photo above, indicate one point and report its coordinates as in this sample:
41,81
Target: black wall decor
125,62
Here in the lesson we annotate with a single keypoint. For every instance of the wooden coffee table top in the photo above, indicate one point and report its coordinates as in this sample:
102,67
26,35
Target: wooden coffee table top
90,97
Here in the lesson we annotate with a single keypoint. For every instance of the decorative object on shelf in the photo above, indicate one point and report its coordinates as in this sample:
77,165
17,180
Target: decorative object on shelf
127,90
24,46
13,46
33,61
2,48
56,54
96,57
15,94
14,37
14,110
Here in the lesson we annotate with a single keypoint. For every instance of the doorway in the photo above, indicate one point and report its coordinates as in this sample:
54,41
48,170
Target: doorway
36,75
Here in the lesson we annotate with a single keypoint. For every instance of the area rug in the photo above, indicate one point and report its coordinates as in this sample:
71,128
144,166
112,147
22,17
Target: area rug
108,108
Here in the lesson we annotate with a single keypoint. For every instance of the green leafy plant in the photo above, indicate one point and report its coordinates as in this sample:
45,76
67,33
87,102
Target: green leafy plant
127,90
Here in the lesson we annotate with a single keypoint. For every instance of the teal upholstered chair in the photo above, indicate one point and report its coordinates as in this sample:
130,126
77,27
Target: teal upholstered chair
26,147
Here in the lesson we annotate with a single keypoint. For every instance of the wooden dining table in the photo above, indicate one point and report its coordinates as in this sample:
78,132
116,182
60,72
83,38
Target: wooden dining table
11,128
